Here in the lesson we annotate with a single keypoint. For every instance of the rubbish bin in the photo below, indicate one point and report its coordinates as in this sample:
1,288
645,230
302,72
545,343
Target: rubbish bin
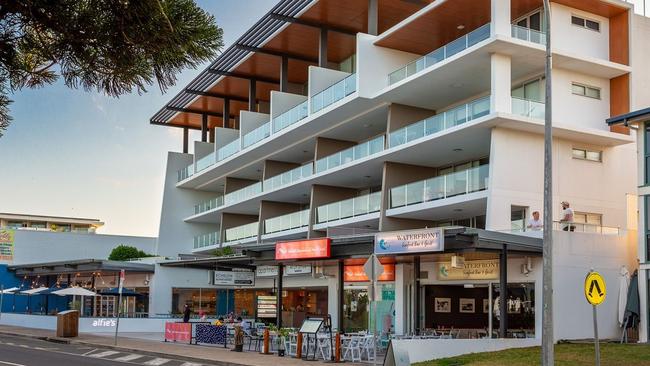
67,323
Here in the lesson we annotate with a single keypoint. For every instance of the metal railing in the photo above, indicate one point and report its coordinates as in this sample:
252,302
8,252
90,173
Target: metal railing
206,240
257,134
290,117
228,150
586,228
351,154
334,93
205,161
453,117
288,177
528,108
351,207
527,34
186,172
480,34
208,205
242,232
243,194
290,221
444,186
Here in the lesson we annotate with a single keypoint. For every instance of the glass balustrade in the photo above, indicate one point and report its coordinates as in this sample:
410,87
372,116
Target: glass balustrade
528,108
288,177
334,93
241,232
186,172
444,186
453,117
352,207
208,205
527,34
290,221
205,162
290,117
228,150
206,240
357,152
243,194
257,134
442,53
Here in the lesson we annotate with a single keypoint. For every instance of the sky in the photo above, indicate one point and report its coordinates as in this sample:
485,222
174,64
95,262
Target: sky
74,153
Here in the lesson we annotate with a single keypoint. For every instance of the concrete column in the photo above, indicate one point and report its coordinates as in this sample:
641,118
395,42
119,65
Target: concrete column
503,292
501,83
252,95
278,320
643,305
400,290
500,12
373,15
204,128
226,113
416,281
322,48
341,292
185,139
284,74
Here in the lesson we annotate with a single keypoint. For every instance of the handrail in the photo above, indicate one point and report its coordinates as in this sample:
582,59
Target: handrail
351,154
288,177
208,205
528,108
286,222
256,135
351,207
206,161
241,232
243,194
528,34
293,115
206,240
228,150
334,93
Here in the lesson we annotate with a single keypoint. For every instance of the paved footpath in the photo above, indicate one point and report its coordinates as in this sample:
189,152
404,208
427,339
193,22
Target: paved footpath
151,352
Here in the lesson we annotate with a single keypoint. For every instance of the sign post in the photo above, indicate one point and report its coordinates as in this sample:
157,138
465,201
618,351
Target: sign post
119,304
373,269
595,292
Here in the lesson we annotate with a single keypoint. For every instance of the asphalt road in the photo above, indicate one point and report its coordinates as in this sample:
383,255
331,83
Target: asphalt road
19,351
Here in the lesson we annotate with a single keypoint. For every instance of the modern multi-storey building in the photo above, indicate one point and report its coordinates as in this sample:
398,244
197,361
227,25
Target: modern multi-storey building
48,223
341,119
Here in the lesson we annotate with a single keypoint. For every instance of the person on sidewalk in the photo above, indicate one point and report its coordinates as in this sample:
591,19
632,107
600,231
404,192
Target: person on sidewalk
567,217
186,314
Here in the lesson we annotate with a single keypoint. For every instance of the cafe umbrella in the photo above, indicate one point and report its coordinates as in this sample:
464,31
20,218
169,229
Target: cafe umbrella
74,292
30,292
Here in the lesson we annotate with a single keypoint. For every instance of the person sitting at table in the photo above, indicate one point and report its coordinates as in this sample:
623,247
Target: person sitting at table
219,321
300,308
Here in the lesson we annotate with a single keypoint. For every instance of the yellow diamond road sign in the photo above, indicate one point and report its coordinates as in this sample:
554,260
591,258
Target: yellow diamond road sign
595,289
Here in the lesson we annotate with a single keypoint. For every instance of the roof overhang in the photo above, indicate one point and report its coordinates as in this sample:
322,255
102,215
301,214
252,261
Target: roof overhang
634,117
80,266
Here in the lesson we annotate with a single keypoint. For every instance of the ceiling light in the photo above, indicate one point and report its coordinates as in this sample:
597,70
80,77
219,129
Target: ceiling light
460,27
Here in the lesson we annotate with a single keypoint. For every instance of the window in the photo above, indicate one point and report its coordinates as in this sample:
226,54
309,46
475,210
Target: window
585,154
531,90
531,21
16,224
585,23
585,90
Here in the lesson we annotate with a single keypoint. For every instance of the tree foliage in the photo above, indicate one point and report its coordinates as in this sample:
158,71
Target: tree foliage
111,46
222,252
125,252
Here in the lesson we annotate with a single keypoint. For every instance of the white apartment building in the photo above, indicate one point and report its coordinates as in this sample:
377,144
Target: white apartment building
331,121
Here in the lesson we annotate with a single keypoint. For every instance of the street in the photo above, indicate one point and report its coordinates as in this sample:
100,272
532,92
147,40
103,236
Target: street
19,351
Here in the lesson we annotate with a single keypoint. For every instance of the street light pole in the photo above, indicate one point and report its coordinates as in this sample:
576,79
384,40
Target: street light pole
547,276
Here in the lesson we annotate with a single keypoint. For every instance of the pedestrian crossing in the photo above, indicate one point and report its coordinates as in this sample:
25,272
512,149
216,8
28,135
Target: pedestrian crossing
137,359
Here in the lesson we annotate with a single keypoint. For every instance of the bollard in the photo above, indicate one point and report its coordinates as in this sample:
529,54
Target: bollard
299,346
265,349
337,348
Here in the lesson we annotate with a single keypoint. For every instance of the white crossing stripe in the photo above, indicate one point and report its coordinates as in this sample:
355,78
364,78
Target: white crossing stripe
103,354
156,362
130,357
190,364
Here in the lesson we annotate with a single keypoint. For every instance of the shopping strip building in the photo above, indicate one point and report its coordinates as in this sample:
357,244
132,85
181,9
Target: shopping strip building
330,121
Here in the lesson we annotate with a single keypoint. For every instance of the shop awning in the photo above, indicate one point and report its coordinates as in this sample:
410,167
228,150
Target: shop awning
82,265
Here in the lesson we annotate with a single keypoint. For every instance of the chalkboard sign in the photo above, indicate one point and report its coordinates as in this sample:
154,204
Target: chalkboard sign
311,326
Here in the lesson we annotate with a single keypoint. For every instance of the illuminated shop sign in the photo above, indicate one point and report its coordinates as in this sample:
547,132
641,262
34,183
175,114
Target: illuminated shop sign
303,249
410,241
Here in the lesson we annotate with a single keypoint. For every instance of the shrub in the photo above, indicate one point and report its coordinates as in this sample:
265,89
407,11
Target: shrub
125,252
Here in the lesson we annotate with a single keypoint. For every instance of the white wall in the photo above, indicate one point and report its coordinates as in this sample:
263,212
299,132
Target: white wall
87,325
576,40
577,110
43,246
640,61
420,350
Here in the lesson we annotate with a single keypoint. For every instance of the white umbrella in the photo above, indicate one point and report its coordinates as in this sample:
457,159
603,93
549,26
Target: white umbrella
9,290
624,283
74,291
34,291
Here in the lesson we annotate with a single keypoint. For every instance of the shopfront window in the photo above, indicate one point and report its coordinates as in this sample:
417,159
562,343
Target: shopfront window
356,308
196,298
297,304
521,309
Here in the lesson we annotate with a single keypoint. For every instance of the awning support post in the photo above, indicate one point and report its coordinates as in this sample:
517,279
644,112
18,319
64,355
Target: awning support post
278,318
284,74
503,292
416,273
185,139
204,128
252,95
341,294
322,48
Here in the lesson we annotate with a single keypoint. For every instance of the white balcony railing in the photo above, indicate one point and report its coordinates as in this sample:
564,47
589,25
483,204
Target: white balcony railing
228,150
288,177
286,222
528,108
205,161
242,232
444,186
243,194
208,205
334,93
257,134
290,117
206,240
442,53
527,34
186,172
351,154
351,207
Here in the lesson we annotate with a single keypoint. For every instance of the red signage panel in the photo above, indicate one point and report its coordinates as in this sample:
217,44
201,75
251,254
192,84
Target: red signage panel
181,332
357,274
303,249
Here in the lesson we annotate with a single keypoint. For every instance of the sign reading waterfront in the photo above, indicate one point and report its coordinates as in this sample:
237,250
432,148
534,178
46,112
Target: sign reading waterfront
472,270
410,241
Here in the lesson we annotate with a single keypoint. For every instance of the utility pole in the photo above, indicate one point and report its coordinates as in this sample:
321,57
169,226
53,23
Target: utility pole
547,277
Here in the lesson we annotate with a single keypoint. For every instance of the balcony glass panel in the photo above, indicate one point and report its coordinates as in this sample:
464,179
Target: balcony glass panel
528,108
527,34
186,172
257,134
351,154
290,117
243,194
351,207
290,221
205,162
206,240
241,232
444,186
334,93
288,177
453,117
208,205
228,150
444,52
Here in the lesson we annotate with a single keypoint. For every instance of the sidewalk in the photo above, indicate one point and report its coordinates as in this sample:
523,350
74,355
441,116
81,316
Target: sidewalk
193,353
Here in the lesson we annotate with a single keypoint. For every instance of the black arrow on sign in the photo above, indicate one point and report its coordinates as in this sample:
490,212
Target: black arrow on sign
594,283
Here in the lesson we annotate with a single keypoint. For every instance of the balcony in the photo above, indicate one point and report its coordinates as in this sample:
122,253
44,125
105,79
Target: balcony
527,34
287,222
353,207
288,177
228,150
206,240
205,162
334,93
528,108
453,117
290,117
185,173
351,154
480,34
441,187
242,232
243,194
208,205
257,134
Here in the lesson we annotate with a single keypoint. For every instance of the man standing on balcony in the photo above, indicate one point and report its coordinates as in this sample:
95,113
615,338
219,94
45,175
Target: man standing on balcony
535,224
567,217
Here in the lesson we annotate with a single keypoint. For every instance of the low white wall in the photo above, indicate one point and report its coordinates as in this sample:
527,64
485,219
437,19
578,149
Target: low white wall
430,349
87,325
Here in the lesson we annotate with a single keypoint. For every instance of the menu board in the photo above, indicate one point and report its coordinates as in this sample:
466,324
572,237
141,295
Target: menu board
311,326
267,307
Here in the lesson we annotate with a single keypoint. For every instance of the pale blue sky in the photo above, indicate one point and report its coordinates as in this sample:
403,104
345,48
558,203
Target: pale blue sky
72,153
